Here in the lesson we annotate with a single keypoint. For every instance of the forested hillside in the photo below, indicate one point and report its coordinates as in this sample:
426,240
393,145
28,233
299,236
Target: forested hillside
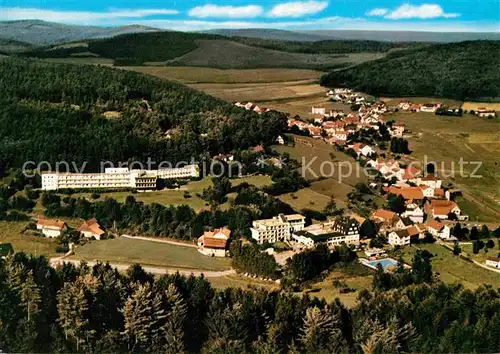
99,310
466,70
54,112
140,48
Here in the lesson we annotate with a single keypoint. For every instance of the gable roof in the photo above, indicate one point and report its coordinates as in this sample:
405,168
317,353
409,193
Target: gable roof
92,226
408,192
442,207
51,224
435,225
402,233
383,214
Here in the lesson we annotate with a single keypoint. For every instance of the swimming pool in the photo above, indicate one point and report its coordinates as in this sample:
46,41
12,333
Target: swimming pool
384,262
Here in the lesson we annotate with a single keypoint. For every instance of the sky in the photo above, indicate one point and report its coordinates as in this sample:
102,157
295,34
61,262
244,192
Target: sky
195,15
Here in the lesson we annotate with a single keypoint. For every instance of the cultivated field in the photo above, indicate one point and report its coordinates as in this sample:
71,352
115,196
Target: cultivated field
199,75
475,105
445,140
130,251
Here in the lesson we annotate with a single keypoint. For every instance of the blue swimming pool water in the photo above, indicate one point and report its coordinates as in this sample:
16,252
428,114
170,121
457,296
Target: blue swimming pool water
385,262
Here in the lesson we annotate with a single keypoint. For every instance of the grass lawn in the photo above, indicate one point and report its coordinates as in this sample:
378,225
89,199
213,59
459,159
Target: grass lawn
342,173
12,232
176,196
481,256
129,251
452,269
239,281
356,277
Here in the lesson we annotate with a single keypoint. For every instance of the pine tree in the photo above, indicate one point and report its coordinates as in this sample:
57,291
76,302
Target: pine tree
175,324
145,320
72,307
320,333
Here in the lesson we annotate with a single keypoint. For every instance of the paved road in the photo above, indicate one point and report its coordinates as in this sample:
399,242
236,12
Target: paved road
154,270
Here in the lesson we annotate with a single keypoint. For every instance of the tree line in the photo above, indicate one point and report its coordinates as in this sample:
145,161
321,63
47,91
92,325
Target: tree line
98,309
465,70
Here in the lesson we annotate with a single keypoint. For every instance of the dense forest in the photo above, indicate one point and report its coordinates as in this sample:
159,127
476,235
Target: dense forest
465,70
327,46
139,48
60,109
97,309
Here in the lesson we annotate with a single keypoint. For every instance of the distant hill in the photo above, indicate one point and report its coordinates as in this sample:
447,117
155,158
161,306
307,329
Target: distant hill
465,70
403,36
212,50
273,34
9,46
43,33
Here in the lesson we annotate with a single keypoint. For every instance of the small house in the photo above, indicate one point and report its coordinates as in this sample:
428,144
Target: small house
50,228
214,243
91,228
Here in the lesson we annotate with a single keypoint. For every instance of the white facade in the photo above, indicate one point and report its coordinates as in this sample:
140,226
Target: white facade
399,238
441,231
493,262
115,178
51,229
318,110
279,228
414,212
333,233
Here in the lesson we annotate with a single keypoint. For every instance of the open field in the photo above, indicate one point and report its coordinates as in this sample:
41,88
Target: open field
421,100
323,160
129,251
176,196
445,140
475,105
199,75
12,232
240,281
452,269
481,256
356,277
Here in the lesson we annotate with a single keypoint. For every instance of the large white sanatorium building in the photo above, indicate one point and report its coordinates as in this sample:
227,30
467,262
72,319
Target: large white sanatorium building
279,228
116,178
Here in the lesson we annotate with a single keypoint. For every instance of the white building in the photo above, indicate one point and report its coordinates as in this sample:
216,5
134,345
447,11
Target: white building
399,238
333,233
115,178
431,181
280,140
214,243
51,228
91,228
430,107
318,110
493,262
414,212
438,229
279,228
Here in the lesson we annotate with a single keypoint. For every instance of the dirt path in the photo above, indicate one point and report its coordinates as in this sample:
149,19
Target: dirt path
150,269
159,240
474,261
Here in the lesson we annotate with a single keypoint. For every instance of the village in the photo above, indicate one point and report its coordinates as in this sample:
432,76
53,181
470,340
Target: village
420,206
